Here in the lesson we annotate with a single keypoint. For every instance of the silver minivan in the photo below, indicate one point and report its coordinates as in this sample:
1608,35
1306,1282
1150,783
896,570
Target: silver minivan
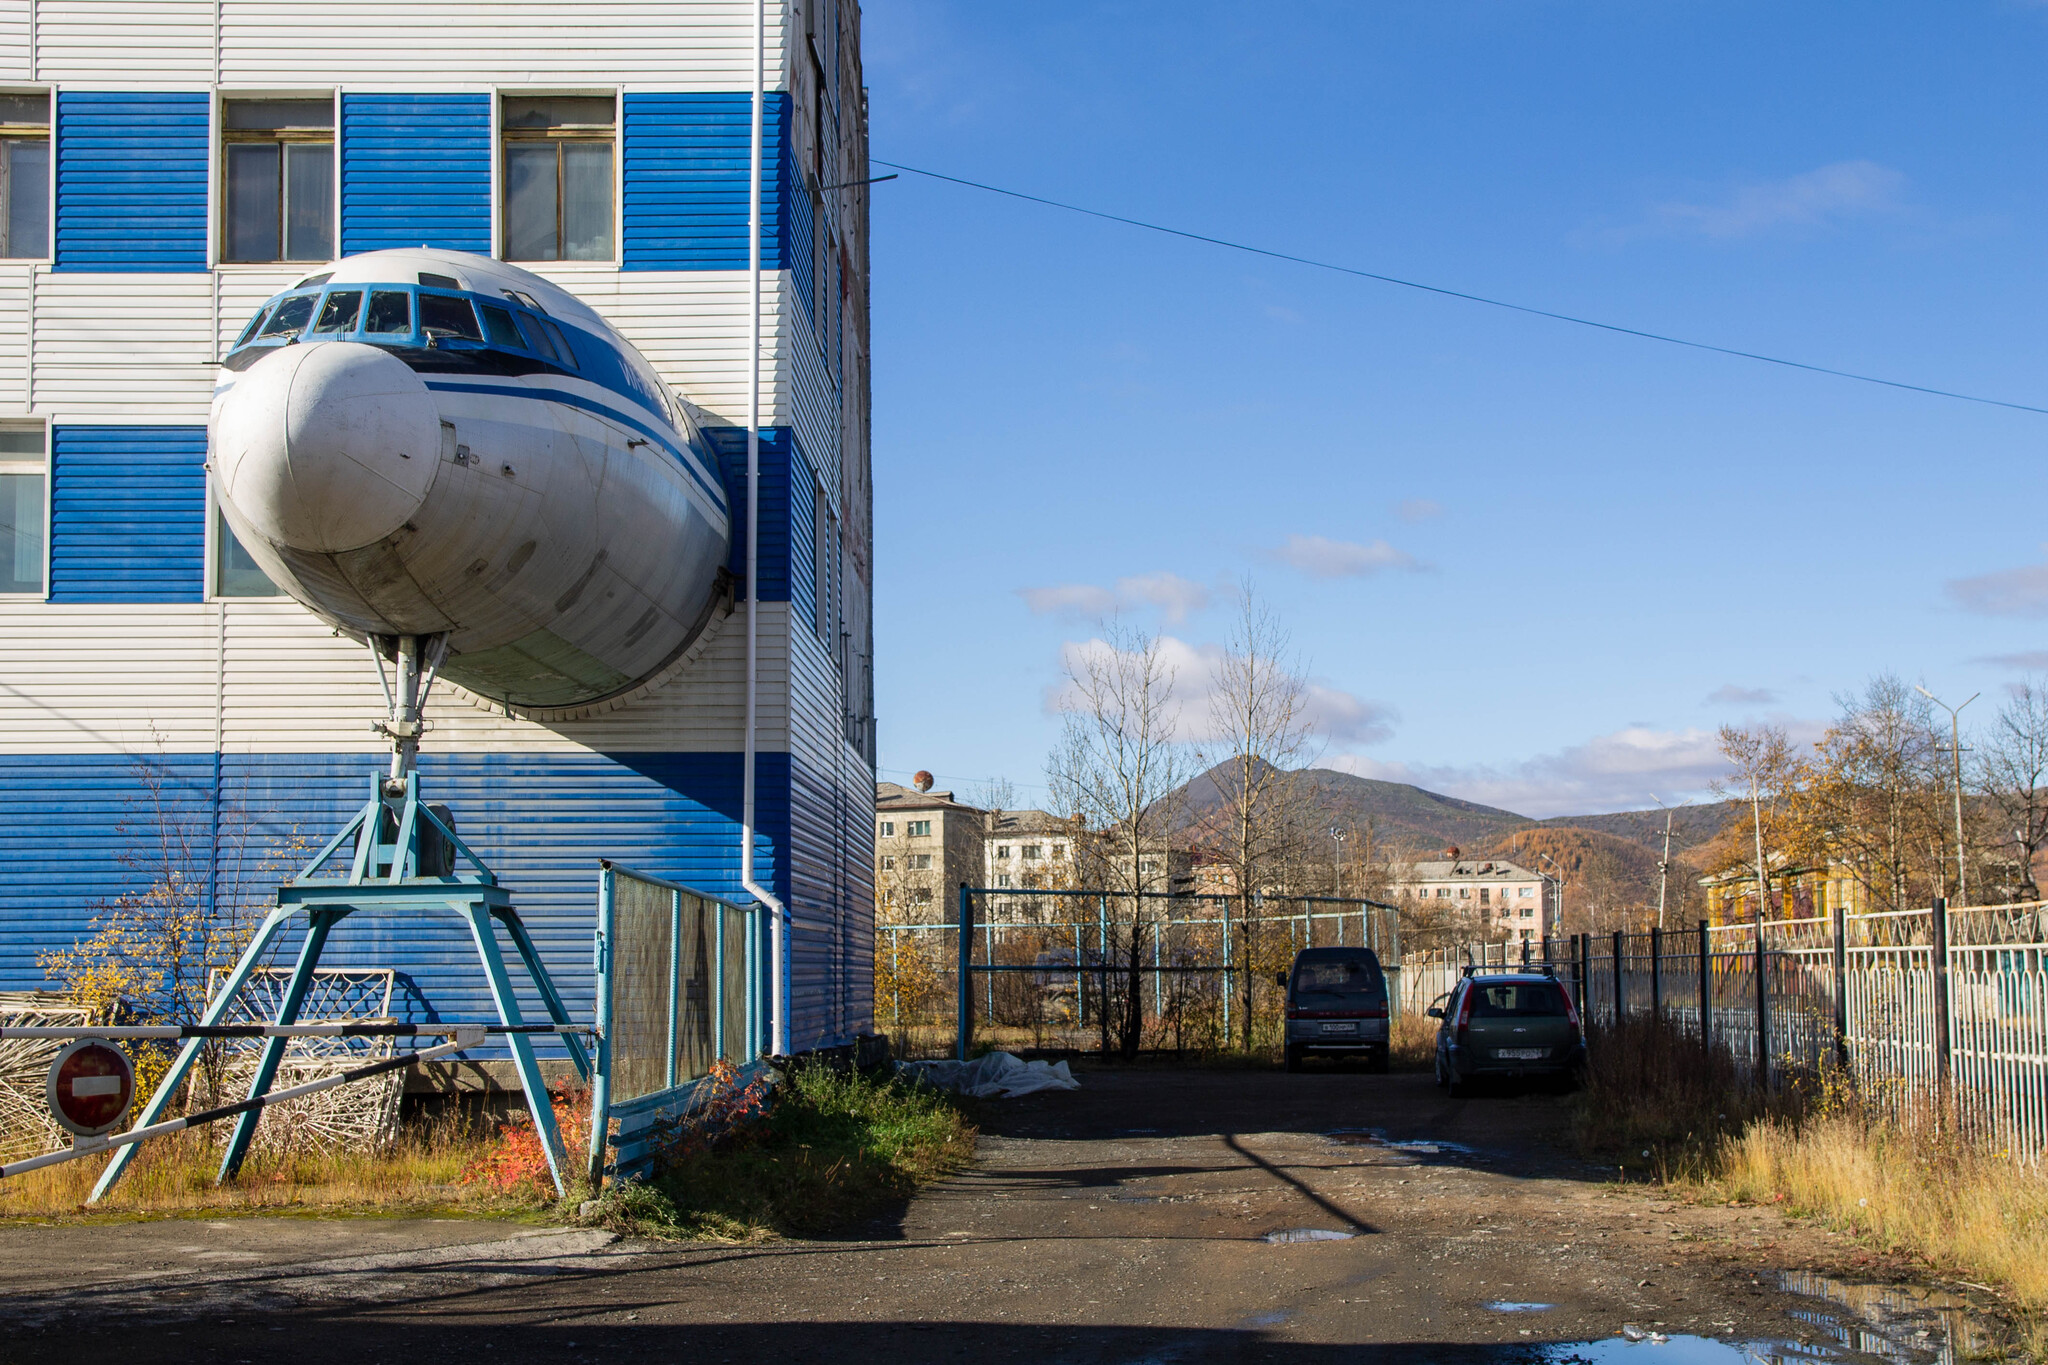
1336,1004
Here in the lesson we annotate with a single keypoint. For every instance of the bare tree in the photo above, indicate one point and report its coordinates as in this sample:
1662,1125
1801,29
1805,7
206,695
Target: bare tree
1258,714
2013,772
1871,799
1761,757
1117,769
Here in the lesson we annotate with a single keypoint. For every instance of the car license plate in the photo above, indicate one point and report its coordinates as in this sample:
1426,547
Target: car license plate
1520,1054
1340,1028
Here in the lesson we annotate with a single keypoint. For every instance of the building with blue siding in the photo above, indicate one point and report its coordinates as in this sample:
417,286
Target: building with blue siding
164,713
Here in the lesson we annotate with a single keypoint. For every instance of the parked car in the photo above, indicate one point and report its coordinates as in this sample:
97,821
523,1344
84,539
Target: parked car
1507,1024
1336,1003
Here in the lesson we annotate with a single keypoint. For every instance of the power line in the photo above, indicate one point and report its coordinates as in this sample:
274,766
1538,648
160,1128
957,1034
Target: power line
1469,297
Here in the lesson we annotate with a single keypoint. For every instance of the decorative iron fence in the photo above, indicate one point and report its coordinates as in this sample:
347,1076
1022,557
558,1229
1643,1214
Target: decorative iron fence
1935,1010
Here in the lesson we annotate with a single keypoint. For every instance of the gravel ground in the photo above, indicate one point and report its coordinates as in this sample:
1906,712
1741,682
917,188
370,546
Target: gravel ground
1155,1215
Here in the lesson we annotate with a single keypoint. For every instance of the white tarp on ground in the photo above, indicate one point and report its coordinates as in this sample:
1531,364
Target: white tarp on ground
996,1076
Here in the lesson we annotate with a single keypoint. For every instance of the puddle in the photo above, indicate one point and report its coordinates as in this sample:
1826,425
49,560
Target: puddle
1913,1324
1307,1235
1677,1350
1503,1306
1377,1137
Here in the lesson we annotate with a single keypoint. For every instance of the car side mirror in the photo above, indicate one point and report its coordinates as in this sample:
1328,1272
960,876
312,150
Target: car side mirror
1435,1011
1281,977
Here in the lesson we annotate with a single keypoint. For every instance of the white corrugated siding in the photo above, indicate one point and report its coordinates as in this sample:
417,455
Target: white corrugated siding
124,348
692,325
243,290
655,44
14,45
135,679
14,296
152,44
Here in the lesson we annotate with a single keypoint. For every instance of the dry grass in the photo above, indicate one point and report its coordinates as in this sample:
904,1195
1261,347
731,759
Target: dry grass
1411,1042
175,1176
1903,1185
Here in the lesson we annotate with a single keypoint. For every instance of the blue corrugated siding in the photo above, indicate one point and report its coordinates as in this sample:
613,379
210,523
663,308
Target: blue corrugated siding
541,821
415,171
128,514
131,180
686,164
730,445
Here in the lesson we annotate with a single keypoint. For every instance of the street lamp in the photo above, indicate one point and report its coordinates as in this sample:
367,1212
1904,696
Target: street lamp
1955,732
1559,879
1338,834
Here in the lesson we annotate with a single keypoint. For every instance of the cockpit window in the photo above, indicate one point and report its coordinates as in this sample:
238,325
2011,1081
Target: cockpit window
390,311
441,315
498,322
537,339
291,316
338,313
249,332
568,356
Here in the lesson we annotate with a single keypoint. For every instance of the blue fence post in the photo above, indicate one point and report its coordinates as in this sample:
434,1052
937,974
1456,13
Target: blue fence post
601,1059
963,1025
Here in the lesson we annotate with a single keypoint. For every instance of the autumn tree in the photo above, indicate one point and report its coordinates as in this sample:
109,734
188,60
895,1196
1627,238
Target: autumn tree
2012,775
1764,775
1118,769
1871,798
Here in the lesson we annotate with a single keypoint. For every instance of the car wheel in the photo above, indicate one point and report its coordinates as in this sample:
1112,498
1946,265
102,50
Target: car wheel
1291,1058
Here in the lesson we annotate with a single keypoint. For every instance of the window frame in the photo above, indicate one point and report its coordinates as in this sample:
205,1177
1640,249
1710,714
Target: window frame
49,136
500,180
216,524
16,465
217,200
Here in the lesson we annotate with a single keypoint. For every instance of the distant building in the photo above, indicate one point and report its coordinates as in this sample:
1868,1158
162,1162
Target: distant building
1503,895
926,845
1796,892
1029,849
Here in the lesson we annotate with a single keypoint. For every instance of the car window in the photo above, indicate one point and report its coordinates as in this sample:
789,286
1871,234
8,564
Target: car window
1529,999
1341,979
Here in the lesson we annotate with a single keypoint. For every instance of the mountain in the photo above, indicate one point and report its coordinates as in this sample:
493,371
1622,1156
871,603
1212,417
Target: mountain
1419,822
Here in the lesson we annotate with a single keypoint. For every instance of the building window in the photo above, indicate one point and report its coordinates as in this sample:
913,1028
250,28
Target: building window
1148,864
1443,891
1002,851
888,863
25,175
921,895
1059,852
1528,912
1485,895
1464,893
920,829
1033,852
235,571
278,162
1002,879
24,475
1527,892
888,828
558,177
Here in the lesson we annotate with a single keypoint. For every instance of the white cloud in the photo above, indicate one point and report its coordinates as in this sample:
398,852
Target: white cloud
2028,660
1419,509
1728,694
2006,592
1080,599
1172,596
1812,199
1337,716
1627,769
1321,557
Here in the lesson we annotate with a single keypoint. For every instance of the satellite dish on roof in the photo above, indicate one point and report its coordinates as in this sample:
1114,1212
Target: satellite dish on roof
922,780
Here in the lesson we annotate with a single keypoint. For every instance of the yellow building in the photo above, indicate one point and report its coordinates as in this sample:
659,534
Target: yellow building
1796,893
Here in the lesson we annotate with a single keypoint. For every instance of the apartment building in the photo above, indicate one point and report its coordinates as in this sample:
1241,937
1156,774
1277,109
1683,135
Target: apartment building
1502,895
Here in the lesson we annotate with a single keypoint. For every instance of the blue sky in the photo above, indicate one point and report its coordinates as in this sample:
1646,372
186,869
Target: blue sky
1524,562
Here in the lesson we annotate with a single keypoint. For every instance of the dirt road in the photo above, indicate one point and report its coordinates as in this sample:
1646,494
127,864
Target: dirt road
1152,1216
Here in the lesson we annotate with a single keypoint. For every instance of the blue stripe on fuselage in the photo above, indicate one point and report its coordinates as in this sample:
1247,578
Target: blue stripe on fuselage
688,461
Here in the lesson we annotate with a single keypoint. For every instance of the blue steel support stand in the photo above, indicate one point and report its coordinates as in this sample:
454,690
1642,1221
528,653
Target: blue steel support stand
384,875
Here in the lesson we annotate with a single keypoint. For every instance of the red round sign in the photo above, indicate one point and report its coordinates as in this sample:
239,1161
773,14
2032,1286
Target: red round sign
90,1086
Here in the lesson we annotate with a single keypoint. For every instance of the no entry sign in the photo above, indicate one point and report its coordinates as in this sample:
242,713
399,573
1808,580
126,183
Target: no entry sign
90,1086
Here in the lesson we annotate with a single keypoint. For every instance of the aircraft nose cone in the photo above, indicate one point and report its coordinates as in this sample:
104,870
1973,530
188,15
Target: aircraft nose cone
326,447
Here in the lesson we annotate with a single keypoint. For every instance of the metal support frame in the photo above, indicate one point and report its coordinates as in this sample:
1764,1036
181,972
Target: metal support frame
383,875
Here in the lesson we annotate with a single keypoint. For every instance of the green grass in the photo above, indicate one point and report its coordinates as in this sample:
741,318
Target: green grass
835,1148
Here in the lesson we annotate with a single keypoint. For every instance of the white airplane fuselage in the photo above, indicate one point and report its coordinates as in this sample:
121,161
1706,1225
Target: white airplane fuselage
428,442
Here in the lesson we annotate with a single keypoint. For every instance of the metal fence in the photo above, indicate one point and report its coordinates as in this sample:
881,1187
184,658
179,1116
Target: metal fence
1937,1011
1054,969
677,993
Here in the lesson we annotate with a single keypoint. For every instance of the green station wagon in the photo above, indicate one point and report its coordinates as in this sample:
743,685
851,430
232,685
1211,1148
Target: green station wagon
1507,1024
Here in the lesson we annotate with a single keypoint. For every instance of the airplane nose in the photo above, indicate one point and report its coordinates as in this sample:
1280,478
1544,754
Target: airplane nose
326,447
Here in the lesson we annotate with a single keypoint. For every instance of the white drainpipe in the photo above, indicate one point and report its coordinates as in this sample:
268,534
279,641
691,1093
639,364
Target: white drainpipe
778,1013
